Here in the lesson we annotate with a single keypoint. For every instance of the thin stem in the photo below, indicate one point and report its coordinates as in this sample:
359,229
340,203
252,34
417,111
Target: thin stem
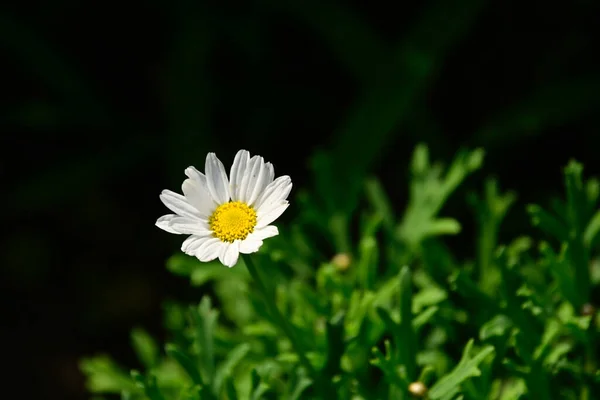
281,320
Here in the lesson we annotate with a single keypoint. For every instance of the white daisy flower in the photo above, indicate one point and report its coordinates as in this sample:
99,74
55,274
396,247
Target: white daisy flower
225,217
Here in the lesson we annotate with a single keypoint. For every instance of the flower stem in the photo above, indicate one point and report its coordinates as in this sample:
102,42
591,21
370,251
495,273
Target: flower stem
281,320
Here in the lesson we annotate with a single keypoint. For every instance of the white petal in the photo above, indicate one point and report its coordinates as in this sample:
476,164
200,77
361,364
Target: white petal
210,249
265,219
163,223
270,175
274,194
194,174
230,253
178,204
265,232
191,245
190,226
250,245
236,175
254,240
216,179
196,192
258,176
246,181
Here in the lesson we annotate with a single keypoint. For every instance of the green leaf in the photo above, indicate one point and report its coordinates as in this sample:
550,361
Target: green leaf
429,191
205,319
420,160
407,348
428,296
577,210
186,362
367,262
390,324
370,225
145,347
259,387
551,332
490,212
335,345
592,190
225,370
497,326
183,265
562,271
462,283
215,271
103,375
231,392
443,226
387,293
380,202
359,306
394,373
466,368
261,328
576,195
547,222
557,353
228,291
592,229
509,389
148,384
424,317
302,384
338,226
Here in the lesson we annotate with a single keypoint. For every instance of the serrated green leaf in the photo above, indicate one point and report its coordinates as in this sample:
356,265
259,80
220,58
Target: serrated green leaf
428,193
497,326
466,368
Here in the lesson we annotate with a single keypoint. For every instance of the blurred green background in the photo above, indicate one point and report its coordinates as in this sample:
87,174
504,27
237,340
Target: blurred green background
104,104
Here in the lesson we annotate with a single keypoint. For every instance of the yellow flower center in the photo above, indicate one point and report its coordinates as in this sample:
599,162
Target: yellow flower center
232,221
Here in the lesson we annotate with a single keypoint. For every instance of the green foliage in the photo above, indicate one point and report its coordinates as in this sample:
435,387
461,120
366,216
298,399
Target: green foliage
395,313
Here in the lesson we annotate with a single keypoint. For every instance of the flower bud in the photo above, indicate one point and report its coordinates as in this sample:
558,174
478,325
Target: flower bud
341,261
417,389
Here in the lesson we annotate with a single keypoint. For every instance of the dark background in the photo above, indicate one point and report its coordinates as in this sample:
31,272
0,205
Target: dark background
105,104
